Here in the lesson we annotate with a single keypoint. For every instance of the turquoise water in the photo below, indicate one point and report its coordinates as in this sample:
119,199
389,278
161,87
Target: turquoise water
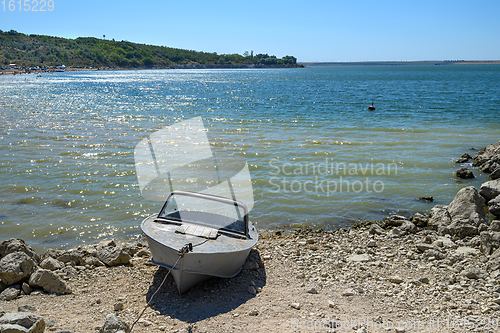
316,155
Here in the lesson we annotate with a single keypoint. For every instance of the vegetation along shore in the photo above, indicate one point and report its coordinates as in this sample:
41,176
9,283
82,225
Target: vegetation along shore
38,51
432,272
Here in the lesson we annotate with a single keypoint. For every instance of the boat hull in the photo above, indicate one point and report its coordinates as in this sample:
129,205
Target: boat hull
223,257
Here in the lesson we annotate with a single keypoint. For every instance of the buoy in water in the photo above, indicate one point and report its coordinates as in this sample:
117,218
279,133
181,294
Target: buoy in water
371,107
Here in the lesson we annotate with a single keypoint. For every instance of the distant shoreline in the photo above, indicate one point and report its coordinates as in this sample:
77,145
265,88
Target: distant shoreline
399,63
15,71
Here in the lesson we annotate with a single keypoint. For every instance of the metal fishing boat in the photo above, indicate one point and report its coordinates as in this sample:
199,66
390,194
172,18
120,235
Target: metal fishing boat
199,236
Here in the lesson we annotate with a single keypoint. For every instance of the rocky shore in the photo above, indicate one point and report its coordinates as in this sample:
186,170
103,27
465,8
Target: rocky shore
433,272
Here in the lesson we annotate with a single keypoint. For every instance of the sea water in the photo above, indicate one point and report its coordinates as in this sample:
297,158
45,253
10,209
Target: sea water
316,155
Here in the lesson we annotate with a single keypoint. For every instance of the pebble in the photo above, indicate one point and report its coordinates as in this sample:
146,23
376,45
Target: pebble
251,290
396,279
295,306
359,258
254,312
145,322
349,292
424,280
331,304
118,306
312,290
51,324
26,308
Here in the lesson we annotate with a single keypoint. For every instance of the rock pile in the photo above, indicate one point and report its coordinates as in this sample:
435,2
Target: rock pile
22,269
21,322
488,159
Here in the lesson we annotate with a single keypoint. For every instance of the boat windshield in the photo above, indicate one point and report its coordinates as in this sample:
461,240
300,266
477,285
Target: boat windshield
208,210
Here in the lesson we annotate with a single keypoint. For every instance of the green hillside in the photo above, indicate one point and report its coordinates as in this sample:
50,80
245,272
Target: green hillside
38,50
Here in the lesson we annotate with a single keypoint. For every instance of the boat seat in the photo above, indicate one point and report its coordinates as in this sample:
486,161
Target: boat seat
198,230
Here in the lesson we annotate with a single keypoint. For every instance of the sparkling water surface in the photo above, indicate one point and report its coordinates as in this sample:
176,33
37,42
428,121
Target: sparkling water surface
317,156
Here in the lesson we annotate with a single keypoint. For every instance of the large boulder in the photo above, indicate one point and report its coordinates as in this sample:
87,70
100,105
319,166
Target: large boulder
113,324
51,264
495,225
17,245
439,216
490,190
22,322
49,281
113,256
490,166
75,257
91,261
461,229
52,253
394,221
465,173
495,174
490,241
494,206
375,229
404,229
464,159
420,220
15,267
467,207
488,155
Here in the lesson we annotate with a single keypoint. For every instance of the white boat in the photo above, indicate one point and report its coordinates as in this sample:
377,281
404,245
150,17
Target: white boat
199,236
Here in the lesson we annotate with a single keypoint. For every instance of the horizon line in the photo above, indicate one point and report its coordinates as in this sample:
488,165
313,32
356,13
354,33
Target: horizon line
398,61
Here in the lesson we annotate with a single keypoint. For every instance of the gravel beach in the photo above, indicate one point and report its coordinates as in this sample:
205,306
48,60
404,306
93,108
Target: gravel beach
432,272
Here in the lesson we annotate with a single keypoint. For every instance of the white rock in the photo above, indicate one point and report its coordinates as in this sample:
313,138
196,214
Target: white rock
465,250
144,322
349,292
113,323
312,290
359,258
396,279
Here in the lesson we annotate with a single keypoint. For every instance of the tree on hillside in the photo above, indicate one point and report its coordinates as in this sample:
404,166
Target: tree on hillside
148,62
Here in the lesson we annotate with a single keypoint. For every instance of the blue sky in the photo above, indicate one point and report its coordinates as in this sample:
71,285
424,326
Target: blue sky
355,30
